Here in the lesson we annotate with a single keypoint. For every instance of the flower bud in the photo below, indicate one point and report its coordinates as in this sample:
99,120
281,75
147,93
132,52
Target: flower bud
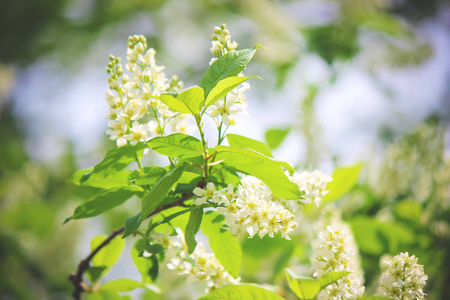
139,48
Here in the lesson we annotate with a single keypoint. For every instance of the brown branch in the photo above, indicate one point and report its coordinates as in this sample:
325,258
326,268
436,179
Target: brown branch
77,279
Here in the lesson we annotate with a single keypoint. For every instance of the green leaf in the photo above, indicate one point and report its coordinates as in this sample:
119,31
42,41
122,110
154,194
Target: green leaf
189,101
332,277
262,167
118,159
88,178
231,64
409,210
193,225
132,224
156,196
193,98
177,145
154,270
104,295
304,288
169,218
122,285
344,179
150,177
225,246
174,103
375,237
94,273
103,201
283,260
275,136
143,264
241,292
240,141
383,22
223,87
108,255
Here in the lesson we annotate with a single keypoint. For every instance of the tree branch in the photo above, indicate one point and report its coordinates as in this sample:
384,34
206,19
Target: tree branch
77,279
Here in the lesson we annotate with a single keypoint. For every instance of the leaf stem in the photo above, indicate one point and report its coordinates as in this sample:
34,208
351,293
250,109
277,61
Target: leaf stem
205,148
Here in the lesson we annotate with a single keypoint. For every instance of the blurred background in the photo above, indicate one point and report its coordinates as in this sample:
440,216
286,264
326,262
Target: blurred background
346,81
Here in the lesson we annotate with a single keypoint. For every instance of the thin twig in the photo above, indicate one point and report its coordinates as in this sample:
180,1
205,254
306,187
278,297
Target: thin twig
77,279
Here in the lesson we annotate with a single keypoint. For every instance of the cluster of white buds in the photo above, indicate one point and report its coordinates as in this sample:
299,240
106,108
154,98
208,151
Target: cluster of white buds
137,116
225,110
221,41
335,252
249,210
313,184
201,264
403,278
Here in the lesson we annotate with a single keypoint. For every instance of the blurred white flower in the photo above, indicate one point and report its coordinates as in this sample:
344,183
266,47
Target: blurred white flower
335,252
403,278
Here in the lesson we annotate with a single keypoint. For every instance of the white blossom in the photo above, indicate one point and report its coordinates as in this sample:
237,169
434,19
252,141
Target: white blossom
313,184
208,193
131,98
403,278
335,252
251,211
201,265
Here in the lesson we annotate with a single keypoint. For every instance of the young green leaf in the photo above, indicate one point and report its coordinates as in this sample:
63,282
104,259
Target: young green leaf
95,273
283,260
156,196
331,277
344,179
104,295
223,87
143,264
118,159
177,145
88,178
169,218
174,103
150,176
304,288
193,98
225,246
132,224
275,136
189,101
262,167
122,285
241,292
193,225
108,255
231,64
240,141
103,201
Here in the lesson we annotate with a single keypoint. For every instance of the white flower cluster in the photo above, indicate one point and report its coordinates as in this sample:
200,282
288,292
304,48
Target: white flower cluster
221,41
250,209
313,184
404,278
226,109
137,116
200,264
335,253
